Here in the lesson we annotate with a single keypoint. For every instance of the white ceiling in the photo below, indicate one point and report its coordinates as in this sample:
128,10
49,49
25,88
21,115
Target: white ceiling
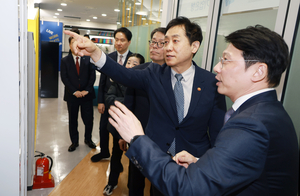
83,9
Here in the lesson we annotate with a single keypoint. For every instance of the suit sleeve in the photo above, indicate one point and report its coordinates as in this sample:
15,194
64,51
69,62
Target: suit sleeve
216,119
64,73
237,159
92,77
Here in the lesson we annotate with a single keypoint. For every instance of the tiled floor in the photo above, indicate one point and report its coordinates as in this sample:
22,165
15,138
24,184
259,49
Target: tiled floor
52,138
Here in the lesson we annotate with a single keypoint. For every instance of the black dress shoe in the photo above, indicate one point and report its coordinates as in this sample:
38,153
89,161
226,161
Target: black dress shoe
99,157
90,143
73,147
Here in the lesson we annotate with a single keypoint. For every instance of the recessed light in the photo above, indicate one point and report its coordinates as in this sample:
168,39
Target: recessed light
88,20
129,21
60,10
56,14
118,23
127,8
63,4
137,3
104,15
95,17
116,10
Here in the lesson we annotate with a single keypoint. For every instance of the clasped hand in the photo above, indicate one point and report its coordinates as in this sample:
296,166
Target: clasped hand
80,94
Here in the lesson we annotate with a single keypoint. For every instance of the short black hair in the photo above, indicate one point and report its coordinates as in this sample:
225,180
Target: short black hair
193,30
75,30
159,29
87,35
266,46
124,30
70,39
139,56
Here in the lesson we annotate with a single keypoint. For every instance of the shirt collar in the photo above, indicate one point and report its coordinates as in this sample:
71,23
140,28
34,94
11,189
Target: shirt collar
187,74
124,54
244,98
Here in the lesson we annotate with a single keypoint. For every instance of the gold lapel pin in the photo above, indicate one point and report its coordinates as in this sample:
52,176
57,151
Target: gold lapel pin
199,89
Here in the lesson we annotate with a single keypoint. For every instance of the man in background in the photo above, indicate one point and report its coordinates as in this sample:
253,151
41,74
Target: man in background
138,102
78,76
122,41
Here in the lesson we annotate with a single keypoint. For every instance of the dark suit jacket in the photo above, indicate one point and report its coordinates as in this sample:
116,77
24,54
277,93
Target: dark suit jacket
137,101
104,82
256,153
72,80
116,92
206,111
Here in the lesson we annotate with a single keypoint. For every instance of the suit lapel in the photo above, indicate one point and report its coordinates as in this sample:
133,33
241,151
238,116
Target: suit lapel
170,103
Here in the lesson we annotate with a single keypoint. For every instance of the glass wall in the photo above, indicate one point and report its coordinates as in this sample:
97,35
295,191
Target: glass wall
292,92
196,11
140,17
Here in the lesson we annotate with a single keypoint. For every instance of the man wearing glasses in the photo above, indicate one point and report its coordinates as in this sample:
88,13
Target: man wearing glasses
256,151
186,111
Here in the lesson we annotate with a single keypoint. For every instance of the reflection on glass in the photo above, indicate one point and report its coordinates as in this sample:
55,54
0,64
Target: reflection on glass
196,11
292,92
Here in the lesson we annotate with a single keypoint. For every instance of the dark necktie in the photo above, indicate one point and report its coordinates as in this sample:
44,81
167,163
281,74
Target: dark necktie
228,114
179,98
77,65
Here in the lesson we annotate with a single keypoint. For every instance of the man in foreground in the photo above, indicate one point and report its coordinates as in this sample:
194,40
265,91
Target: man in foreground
256,151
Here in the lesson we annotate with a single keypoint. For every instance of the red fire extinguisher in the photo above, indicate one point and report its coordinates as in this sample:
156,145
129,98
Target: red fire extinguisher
43,177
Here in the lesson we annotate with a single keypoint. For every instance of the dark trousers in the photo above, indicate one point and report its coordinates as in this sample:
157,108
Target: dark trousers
115,163
156,192
136,181
87,115
103,133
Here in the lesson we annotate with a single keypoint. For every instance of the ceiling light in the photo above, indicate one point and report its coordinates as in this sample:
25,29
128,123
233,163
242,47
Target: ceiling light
88,20
161,10
129,21
104,15
118,23
59,10
142,13
137,3
56,14
127,8
95,17
143,18
63,4
116,10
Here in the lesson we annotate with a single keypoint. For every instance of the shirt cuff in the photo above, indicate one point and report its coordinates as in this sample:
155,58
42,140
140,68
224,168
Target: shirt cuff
99,64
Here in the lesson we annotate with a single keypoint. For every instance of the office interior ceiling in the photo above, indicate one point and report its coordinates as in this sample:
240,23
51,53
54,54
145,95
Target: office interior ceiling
80,10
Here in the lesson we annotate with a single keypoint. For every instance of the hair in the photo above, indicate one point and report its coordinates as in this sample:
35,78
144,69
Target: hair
159,29
87,35
192,30
266,46
70,39
93,39
75,30
139,56
124,30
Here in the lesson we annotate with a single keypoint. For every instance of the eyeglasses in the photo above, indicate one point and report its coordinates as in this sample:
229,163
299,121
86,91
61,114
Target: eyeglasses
222,61
158,44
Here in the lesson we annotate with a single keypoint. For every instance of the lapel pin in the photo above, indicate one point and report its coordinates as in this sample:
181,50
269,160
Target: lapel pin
199,89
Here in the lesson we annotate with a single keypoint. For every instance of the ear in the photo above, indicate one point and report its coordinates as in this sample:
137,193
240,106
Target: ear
195,46
260,72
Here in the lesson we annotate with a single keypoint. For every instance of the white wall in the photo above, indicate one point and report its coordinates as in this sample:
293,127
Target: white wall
9,104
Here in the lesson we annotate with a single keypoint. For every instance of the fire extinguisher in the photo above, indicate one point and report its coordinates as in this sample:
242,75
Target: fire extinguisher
43,177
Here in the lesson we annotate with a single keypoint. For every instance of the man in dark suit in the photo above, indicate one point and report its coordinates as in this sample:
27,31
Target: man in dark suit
256,152
138,102
78,76
201,109
122,41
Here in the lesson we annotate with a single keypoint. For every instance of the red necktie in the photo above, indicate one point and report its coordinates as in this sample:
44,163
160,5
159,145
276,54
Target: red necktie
77,65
